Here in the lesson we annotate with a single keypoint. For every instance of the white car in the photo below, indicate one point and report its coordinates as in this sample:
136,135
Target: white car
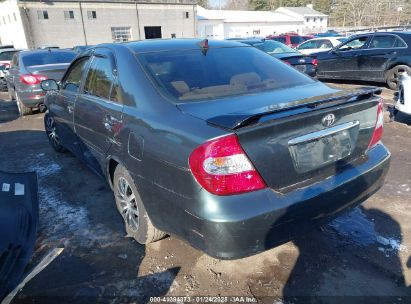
403,99
319,44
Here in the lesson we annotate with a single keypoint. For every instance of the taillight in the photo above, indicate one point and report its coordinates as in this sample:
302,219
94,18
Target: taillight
377,134
32,79
221,167
314,62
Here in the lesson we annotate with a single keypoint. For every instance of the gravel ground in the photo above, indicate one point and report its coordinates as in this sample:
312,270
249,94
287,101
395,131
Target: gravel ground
361,257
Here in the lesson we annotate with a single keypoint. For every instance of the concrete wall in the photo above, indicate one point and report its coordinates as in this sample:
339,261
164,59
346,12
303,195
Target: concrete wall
11,25
29,30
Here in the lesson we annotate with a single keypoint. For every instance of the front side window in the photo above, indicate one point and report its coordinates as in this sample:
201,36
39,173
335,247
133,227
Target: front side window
100,78
325,44
190,75
354,44
73,77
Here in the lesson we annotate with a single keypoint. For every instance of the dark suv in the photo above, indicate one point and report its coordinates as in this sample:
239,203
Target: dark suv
378,57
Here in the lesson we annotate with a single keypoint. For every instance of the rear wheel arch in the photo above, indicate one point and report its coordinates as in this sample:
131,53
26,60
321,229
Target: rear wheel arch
112,163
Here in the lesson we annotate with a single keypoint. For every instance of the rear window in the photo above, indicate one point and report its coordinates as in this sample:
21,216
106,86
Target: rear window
191,75
273,47
48,58
7,56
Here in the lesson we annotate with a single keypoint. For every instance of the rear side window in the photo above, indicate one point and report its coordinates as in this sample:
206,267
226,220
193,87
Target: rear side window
383,42
73,77
189,75
47,57
15,60
100,78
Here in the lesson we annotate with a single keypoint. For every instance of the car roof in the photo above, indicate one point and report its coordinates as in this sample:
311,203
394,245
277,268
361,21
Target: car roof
8,50
159,45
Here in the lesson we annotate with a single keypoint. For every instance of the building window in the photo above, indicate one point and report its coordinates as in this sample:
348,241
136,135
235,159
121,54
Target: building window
187,15
315,19
256,32
321,19
308,19
91,14
9,18
15,17
173,35
120,34
4,20
68,14
42,15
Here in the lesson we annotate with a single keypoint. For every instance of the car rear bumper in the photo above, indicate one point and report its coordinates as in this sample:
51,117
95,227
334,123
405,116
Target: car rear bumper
32,98
243,225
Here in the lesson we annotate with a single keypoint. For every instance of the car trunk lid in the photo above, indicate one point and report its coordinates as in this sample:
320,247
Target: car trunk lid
308,138
52,71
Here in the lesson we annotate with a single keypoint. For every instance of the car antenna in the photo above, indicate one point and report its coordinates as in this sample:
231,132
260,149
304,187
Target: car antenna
204,46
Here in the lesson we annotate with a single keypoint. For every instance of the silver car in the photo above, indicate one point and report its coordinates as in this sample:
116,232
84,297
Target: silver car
28,69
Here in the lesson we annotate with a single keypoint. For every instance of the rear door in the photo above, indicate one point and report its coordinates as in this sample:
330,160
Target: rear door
97,112
63,101
373,60
13,72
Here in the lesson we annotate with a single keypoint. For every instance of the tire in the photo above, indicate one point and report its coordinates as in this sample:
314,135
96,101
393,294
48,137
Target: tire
391,76
51,133
23,110
130,206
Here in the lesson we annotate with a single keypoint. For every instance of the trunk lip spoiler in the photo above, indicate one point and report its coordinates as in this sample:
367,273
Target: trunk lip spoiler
234,120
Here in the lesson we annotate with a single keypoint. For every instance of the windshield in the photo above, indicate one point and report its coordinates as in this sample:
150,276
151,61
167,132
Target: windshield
6,56
194,75
273,47
48,58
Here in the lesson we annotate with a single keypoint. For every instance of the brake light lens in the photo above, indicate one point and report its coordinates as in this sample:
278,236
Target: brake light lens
314,62
32,79
377,134
221,167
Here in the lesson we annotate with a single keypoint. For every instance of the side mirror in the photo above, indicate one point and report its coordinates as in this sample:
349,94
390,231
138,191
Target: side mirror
49,85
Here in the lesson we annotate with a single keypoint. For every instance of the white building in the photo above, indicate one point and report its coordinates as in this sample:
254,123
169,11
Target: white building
66,23
314,21
223,24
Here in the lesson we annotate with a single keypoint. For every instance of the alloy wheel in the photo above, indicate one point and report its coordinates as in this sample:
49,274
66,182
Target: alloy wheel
127,204
51,131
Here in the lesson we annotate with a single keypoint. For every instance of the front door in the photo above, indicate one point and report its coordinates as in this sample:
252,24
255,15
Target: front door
97,113
64,101
342,63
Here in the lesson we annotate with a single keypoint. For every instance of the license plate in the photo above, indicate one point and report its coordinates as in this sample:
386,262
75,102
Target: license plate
318,149
301,67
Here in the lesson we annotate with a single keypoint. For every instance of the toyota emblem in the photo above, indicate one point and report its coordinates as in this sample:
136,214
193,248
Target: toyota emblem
328,120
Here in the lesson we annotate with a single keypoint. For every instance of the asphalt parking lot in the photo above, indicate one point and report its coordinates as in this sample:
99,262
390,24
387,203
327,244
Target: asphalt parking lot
364,254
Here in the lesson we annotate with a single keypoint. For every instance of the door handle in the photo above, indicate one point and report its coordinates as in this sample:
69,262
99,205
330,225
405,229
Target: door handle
111,123
70,109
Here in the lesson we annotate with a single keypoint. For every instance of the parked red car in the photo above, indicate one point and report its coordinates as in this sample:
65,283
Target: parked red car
290,39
